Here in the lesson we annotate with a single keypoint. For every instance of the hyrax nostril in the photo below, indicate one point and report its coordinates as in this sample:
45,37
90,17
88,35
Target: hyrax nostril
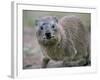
48,35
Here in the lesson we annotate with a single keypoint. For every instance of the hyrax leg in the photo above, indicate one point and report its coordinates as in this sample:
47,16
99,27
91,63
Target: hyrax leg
71,63
45,62
66,61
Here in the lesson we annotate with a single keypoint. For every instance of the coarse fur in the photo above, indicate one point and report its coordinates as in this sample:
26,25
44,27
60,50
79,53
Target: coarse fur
63,40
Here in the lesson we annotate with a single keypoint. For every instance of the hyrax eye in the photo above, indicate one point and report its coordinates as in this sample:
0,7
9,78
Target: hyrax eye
41,27
53,26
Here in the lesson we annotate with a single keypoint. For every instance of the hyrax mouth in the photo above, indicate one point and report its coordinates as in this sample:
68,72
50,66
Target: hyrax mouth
50,41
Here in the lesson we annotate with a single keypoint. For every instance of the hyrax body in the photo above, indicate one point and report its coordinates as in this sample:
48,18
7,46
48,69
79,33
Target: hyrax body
63,40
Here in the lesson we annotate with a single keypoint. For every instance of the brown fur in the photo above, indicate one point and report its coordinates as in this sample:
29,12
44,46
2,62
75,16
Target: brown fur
72,46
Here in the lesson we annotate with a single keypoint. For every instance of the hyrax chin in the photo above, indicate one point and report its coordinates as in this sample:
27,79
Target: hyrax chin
64,40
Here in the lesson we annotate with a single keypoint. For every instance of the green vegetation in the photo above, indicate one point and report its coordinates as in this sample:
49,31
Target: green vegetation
29,17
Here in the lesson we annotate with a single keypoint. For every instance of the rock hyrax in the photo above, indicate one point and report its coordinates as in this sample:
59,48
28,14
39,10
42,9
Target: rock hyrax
63,40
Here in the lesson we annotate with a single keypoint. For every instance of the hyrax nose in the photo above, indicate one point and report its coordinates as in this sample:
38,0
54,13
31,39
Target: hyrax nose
48,35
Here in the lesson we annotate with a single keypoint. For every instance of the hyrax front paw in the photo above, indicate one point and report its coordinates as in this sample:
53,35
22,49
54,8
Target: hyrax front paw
45,62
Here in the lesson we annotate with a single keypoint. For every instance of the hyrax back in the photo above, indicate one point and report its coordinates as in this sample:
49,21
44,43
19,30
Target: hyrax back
63,40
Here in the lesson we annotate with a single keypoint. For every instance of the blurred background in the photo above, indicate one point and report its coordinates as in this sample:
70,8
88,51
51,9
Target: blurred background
32,55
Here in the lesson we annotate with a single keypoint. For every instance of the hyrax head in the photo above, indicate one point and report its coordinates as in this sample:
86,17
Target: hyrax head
47,30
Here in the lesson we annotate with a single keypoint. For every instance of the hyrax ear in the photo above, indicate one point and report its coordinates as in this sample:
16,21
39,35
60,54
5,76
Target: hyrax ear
55,18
